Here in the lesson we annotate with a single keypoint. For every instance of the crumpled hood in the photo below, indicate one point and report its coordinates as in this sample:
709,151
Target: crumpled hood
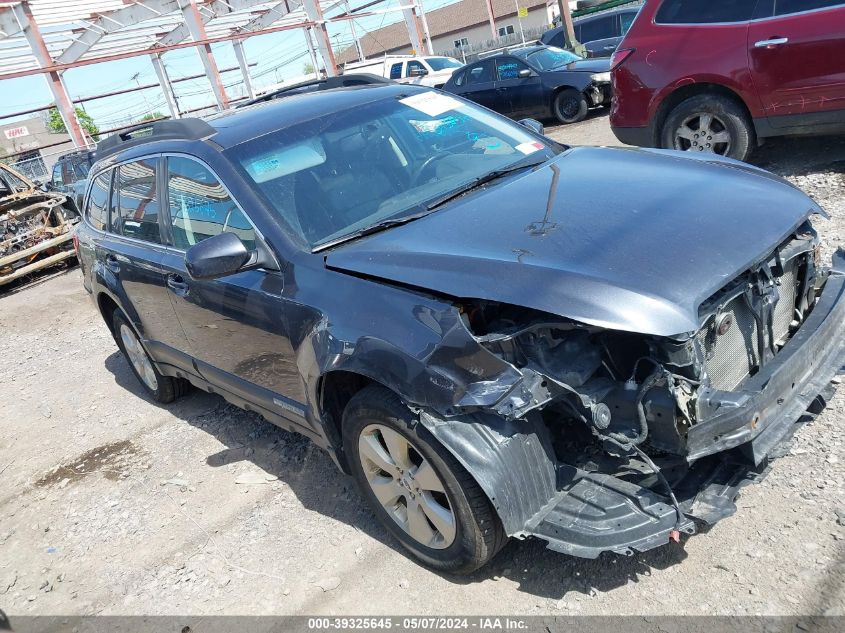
625,239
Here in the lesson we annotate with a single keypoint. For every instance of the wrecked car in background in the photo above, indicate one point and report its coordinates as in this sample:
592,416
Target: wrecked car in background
497,336
35,227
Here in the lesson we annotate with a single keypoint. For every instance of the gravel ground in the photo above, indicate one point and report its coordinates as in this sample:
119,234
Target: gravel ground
112,504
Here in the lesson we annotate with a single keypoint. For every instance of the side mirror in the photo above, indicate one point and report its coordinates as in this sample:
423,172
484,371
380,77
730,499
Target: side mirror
219,256
534,125
417,72
524,73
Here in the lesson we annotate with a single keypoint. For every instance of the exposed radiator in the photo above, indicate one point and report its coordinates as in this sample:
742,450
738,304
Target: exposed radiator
731,357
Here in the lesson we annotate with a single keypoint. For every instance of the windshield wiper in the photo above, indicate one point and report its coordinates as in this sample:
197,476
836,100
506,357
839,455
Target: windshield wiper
369,230
483,180
431,205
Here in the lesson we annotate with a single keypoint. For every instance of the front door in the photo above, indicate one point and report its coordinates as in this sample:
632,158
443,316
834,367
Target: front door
797,58
235,325
522,96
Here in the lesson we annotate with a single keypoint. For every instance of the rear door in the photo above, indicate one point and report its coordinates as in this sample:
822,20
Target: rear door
131,252
235,324
797,59
478,84
520,96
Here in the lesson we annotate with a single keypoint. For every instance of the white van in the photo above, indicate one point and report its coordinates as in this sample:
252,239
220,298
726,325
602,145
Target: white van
431,71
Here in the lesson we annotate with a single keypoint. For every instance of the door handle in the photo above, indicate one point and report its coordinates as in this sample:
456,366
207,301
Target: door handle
112,264
774,41
177,284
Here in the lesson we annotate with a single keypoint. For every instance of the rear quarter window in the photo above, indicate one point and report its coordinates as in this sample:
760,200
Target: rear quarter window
709,12
97,210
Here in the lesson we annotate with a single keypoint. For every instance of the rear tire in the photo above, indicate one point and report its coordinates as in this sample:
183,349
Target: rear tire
570,106
160,388
709,123
387,449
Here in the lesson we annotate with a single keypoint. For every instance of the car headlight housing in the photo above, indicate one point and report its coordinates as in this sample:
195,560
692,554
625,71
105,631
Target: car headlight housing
600,78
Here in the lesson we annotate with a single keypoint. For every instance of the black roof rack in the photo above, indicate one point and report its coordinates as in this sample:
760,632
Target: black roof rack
329,83
186,129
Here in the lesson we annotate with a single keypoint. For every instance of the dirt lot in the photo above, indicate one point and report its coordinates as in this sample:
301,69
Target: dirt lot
113,505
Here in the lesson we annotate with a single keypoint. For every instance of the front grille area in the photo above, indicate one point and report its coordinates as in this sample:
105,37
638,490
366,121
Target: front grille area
731,357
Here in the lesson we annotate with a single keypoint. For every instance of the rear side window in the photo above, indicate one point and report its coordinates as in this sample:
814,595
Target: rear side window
396,71
599,29
200,207
785,7
480,74
98,202
135,202
709,12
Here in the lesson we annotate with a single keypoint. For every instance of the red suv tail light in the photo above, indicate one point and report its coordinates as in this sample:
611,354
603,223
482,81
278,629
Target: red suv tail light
619,57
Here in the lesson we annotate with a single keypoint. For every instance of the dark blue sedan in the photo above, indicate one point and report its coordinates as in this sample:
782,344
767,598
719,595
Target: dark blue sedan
536,81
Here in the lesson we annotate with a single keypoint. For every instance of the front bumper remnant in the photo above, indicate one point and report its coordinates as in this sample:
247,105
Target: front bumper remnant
587,512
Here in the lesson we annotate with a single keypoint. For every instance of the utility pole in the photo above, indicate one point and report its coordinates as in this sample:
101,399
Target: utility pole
569,29
354,34
492,18
519,20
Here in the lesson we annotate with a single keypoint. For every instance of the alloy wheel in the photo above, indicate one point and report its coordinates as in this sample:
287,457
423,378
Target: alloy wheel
703,132
138,357
407,486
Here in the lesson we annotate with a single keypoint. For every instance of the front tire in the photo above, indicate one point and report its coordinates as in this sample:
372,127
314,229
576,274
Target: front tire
160,388
416,488
709,123
570,106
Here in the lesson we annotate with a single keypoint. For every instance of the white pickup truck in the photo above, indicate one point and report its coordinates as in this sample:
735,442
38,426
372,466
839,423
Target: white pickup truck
431,71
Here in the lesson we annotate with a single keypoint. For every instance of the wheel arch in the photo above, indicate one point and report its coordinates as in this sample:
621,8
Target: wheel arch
686,91
107,306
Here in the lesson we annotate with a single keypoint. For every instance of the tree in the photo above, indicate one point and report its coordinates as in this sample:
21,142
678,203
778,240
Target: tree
307,68
152,116
56,125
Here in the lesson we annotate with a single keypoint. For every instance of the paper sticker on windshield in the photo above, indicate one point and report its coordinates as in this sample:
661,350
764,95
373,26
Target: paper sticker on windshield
431,103
529,148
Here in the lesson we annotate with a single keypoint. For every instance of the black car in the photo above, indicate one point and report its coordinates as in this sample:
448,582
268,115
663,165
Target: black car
536,82
315,85
600,33
495,335
70,174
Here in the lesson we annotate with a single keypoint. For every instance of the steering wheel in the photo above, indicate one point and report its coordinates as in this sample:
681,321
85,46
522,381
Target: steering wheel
428,162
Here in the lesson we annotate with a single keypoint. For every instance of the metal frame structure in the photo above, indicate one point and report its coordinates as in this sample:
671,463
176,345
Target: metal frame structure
49,37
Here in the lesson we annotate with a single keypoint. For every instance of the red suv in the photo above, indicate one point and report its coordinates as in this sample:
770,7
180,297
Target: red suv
717,75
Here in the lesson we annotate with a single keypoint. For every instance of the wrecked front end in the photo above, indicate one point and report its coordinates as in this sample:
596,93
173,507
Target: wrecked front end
35,231
617,441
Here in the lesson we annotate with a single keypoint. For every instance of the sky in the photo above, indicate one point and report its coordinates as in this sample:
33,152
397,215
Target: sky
278,57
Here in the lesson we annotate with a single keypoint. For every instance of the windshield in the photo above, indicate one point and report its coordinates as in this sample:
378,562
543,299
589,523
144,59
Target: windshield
13,181
442,63
339,174
550,57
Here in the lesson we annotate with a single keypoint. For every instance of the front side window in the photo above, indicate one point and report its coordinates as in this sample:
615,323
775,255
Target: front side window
135,201
396,71
413,65
710,12
627,20
98,202
508,68
57,175
786,7
200,207
333,177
